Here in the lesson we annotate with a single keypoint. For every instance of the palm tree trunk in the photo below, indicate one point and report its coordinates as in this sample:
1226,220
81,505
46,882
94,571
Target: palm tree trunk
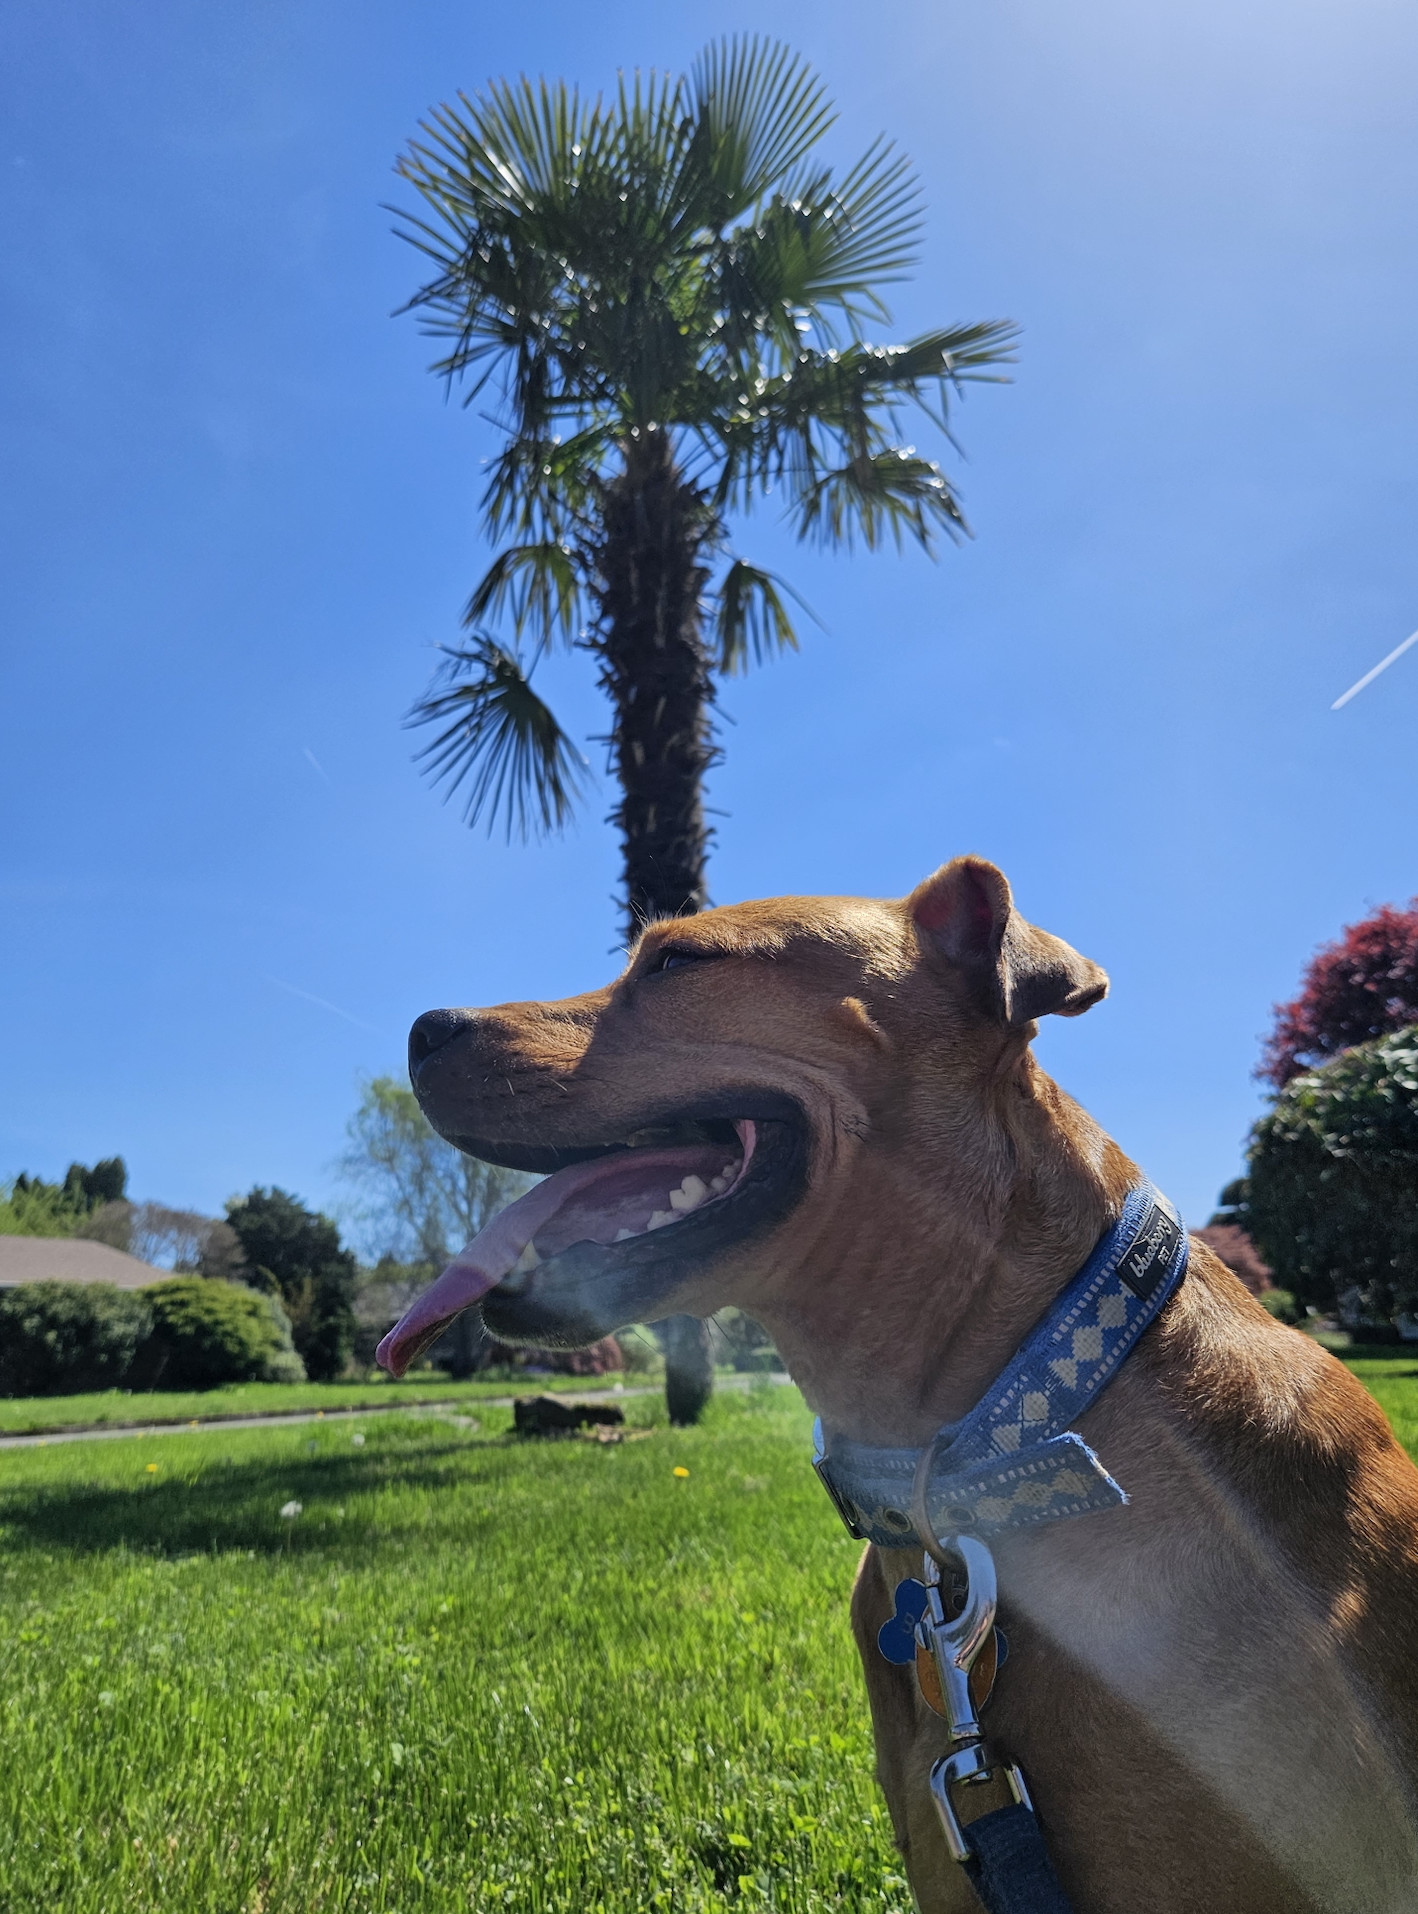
689,1370
656,675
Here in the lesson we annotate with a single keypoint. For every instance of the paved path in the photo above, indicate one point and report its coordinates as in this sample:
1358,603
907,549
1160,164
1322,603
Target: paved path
461,1404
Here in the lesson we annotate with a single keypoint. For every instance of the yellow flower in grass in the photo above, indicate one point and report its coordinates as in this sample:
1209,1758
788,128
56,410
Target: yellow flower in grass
151,1469
681,1472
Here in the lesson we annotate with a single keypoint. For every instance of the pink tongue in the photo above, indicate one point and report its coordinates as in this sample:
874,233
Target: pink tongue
493,1251
478,1268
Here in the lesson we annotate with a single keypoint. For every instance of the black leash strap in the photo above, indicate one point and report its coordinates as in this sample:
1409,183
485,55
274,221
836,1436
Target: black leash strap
1009,1866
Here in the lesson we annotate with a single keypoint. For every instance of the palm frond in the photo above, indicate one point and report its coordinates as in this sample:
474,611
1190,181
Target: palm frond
752,621
500,735
673,256
544,488
892,493
832,408
536,585
837,240
954,355
759,108
835,385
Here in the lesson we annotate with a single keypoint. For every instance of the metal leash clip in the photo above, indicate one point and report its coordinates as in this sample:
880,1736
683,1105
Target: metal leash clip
955,1645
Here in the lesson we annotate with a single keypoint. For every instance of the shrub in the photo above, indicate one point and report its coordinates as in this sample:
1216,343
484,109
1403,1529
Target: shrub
639,1351
206,1333
1283,1304
744,1343
59,1339
1332,1196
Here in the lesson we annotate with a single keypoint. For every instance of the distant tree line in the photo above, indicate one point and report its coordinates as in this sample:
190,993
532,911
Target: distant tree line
32,1207
269,1291
269,1243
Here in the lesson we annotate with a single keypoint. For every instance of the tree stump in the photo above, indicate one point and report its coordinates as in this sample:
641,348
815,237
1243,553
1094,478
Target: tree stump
545,1415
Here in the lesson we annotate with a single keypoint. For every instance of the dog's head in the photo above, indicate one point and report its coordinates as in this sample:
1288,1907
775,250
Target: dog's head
704,1119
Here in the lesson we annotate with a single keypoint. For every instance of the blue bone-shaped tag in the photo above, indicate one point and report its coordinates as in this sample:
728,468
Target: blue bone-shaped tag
897,1638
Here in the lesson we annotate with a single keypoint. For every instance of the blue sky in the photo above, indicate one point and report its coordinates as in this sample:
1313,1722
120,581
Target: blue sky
238,515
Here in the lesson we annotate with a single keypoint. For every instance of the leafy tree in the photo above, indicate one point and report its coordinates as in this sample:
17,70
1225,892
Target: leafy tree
296,1254
670,293
420,1199
1360,986
111,1223
1332,1195
184,1240
32,1207
106,1182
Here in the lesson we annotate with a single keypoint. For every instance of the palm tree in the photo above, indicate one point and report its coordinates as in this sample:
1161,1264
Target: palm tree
668,293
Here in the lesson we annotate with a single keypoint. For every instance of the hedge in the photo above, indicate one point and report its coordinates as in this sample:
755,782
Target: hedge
60,1339
189,1332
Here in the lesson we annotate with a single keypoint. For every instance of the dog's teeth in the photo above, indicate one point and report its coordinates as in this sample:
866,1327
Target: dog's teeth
660,1218
528,1260
690,1194
622,1235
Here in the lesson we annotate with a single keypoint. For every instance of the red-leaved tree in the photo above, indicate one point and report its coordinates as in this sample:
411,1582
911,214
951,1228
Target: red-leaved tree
1363,985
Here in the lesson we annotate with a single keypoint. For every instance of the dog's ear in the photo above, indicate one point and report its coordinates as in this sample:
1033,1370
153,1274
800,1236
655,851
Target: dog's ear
1020,972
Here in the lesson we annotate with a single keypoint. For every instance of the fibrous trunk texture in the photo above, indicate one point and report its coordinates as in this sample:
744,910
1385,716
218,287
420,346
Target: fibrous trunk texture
656,674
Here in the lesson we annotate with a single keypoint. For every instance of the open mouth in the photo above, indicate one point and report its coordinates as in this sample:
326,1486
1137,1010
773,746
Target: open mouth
597,1243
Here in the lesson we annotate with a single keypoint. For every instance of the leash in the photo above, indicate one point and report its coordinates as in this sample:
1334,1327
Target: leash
1010,1463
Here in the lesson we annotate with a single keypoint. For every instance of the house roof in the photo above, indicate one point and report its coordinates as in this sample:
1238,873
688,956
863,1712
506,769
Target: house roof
69,1259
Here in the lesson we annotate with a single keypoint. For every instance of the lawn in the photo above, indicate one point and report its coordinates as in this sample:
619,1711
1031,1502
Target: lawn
560,1678
124,1408
468,1674
1392,1379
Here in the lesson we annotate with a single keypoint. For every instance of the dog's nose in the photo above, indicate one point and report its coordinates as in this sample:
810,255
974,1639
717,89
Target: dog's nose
432,1030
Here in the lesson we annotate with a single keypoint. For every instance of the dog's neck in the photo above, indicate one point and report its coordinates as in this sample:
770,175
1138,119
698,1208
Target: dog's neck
916,1291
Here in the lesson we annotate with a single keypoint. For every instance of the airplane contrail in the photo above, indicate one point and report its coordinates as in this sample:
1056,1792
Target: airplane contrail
323,1003
1369,676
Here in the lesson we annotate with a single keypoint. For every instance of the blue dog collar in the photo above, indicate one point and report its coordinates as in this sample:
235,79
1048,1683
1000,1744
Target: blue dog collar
1013,1461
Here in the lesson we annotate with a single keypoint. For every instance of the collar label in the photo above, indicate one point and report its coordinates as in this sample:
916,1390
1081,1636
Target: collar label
1147,1262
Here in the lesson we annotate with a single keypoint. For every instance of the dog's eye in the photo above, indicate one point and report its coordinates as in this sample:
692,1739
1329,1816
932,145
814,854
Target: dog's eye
672,958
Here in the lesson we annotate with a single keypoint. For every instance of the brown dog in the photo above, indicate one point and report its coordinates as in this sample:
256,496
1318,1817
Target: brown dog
826,1111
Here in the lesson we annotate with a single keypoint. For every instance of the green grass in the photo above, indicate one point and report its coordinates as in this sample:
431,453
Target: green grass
1392,1379
550,1679
118,1408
